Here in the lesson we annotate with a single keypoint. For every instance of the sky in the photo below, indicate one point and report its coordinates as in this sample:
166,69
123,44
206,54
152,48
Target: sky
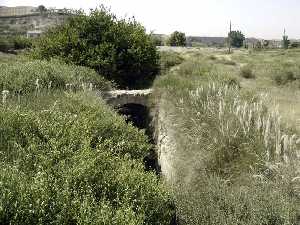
255,18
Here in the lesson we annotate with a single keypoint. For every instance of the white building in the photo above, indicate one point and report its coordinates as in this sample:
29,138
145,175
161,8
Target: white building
17,11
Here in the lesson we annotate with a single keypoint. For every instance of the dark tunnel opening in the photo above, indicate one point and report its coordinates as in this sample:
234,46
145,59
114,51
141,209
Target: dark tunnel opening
139,116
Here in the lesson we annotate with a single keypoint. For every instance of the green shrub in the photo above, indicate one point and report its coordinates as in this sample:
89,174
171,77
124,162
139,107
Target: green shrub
120,50
215,201
10,43
177,39
247,72
22,42
212,57
6,44
22,76
237,38
283,77
68,159
169,59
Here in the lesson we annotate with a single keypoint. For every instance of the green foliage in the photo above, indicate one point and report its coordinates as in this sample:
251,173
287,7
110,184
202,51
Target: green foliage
6,45
42,8
285,42
237,38
247,72
120,50
21,42
68,159
9,43
177,39
168,60
283,77
219,202
22,76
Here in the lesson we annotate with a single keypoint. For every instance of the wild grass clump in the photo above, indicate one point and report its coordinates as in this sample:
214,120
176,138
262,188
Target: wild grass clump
12,43
246,134
283,77
212,57
25,77
247,72
227,62
217,201
68,159
237,146
168,60
236,162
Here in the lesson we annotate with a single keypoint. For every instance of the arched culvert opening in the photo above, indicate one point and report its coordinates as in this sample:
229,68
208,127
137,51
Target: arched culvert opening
139,116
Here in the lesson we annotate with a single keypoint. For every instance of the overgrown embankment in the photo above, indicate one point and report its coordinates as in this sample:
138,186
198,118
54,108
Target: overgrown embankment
232,160
66,157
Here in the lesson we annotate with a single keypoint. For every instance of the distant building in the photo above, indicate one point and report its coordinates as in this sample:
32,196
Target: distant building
17,11
29,21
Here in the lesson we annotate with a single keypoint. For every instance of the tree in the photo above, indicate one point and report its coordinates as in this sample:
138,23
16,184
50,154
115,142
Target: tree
120,50
177,39
42,8
285,41
236,38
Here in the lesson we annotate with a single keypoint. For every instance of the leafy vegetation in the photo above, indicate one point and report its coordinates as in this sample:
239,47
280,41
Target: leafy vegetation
285,41
169,59
68,159
177,39
9,43
247,72
30,76
237,38
118,49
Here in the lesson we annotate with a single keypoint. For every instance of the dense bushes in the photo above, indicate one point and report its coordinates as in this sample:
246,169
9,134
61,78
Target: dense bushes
284,76
177,39
237,38
68,159
6,45
14,43
118,49
247,72
29,76
21,42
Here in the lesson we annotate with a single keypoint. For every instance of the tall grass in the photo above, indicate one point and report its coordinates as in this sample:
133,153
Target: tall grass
236,162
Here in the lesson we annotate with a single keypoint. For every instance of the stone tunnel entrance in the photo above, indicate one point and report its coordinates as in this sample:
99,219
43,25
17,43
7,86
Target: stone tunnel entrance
139,116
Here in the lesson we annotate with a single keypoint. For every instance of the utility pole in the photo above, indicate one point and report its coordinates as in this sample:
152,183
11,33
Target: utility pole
229,39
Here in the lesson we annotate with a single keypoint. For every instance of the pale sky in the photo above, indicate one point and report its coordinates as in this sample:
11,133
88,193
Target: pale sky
255,18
